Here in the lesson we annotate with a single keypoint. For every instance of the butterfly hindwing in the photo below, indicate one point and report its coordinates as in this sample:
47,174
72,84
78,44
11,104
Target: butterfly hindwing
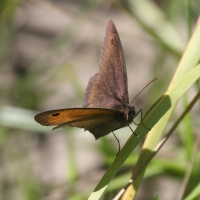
109,88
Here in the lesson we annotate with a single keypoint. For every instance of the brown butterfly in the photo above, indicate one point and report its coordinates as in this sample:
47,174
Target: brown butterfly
106,104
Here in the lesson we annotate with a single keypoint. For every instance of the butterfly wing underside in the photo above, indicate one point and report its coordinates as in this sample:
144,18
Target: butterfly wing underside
109,88
106,95
99,122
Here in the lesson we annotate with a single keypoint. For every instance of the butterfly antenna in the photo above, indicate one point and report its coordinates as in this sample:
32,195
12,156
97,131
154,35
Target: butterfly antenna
119,147
143,89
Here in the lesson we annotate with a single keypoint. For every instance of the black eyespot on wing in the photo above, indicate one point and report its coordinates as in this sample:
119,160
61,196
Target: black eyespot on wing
55,114
112,41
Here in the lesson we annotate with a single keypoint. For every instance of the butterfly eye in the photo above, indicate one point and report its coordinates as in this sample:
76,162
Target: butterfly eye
125,116
55,114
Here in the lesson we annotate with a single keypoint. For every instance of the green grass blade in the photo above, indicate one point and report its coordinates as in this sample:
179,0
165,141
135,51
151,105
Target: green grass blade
168,100
178,87
188,61
195,193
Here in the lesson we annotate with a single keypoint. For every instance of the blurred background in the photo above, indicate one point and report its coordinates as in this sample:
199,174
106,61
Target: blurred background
48,51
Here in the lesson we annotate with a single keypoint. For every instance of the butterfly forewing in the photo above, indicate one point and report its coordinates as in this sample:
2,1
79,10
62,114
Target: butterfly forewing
61,116
109,88
96,120
99,125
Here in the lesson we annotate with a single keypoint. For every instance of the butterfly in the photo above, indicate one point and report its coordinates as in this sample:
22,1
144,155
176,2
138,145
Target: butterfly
106,105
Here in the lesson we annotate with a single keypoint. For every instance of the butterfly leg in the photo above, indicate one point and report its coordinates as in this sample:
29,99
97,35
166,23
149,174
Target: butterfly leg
133,131
140,111
119,147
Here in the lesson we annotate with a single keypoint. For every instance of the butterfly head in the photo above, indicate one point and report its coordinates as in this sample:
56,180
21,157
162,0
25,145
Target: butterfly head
130,113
